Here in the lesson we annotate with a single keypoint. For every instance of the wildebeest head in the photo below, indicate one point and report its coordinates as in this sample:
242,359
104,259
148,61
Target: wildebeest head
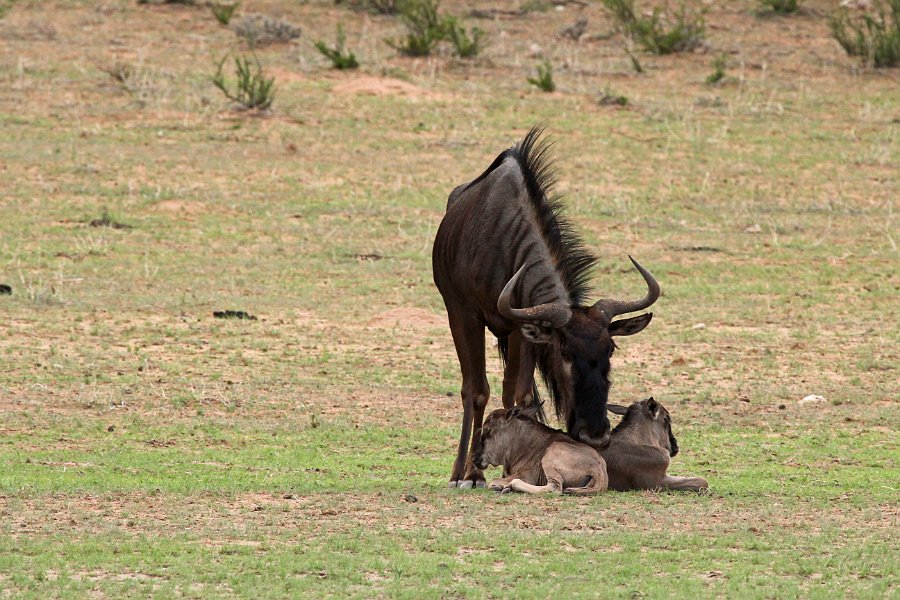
501,433
580,342
651,419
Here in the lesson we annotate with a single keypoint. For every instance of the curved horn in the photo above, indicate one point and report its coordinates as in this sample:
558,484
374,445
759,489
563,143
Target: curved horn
620,307
557,314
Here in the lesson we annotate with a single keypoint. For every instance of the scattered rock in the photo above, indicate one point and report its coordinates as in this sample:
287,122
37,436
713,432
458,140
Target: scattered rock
812,399
111,428
5,290
700,326
575,30
781,407
410,498
233,314
755,228
289,496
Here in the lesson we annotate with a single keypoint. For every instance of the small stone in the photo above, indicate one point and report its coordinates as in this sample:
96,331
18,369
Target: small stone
410,498
111,428
288,496
781,407
812,399
755,228
700,326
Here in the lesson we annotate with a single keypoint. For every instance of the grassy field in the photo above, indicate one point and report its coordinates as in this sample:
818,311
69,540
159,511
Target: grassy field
148,448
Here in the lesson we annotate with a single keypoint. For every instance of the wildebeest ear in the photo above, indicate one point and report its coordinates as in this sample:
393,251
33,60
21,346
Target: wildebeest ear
513,412
652,406
630,326
536,334
617,409
532,410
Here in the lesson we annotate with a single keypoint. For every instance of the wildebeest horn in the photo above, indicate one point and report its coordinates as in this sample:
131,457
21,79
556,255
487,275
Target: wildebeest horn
620,307
557,314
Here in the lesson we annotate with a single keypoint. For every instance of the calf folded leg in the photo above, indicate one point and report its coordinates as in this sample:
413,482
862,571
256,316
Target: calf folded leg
517,485
694,484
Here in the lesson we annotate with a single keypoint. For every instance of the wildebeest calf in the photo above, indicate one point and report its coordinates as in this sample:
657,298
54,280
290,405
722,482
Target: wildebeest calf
536,458
638,454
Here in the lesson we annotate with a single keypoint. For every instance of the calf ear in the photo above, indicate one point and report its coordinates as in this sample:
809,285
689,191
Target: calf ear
630,326
532,410
653,407
617,409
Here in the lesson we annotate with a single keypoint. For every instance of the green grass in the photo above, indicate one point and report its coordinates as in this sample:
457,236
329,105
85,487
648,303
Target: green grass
766,208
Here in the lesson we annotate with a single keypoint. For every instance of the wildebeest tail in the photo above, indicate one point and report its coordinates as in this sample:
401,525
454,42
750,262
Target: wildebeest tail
503,346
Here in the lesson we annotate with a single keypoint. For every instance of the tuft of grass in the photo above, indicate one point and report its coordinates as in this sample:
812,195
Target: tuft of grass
425,29
544,80
662,32
224,12
608,98
252,89
5,6
718,73
875,39
257,29
464,45
530,6
783,7
340,57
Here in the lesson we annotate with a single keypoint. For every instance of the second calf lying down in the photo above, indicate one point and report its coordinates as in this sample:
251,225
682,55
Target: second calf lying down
536,458
638,454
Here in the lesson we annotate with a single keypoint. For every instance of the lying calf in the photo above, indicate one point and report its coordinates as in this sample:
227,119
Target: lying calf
536,458
638,454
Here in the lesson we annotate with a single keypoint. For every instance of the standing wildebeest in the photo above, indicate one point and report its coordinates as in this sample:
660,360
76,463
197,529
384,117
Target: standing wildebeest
536,458
638,454
504,242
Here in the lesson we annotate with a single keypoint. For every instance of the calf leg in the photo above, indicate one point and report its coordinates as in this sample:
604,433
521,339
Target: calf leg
517,485
693,484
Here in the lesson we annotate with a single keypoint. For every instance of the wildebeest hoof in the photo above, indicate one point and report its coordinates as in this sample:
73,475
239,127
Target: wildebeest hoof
479,484
465,485
506,490
452,484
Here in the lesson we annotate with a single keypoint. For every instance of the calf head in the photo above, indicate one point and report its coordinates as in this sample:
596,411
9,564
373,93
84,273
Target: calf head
501,435
650,420
580,344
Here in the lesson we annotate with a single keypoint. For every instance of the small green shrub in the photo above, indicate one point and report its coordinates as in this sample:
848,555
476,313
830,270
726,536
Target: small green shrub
608,98
425,28
463,45
874,39
252,90
259,29
340,57
224,12
662,32
380,7
5,6
718,73
535,6
784,7
544,80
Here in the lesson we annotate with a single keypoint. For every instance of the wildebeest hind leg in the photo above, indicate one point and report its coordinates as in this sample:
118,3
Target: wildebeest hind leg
468,337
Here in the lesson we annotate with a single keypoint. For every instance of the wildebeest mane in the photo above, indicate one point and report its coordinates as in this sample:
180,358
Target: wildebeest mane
573,261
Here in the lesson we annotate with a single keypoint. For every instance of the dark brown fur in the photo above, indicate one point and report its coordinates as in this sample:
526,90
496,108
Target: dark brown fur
502,233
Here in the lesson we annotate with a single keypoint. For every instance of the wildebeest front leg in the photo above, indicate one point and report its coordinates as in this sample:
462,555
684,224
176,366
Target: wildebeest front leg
692,484
468,337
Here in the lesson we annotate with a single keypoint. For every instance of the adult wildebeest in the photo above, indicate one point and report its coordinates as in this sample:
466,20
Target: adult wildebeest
536,458
504,242
638,454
